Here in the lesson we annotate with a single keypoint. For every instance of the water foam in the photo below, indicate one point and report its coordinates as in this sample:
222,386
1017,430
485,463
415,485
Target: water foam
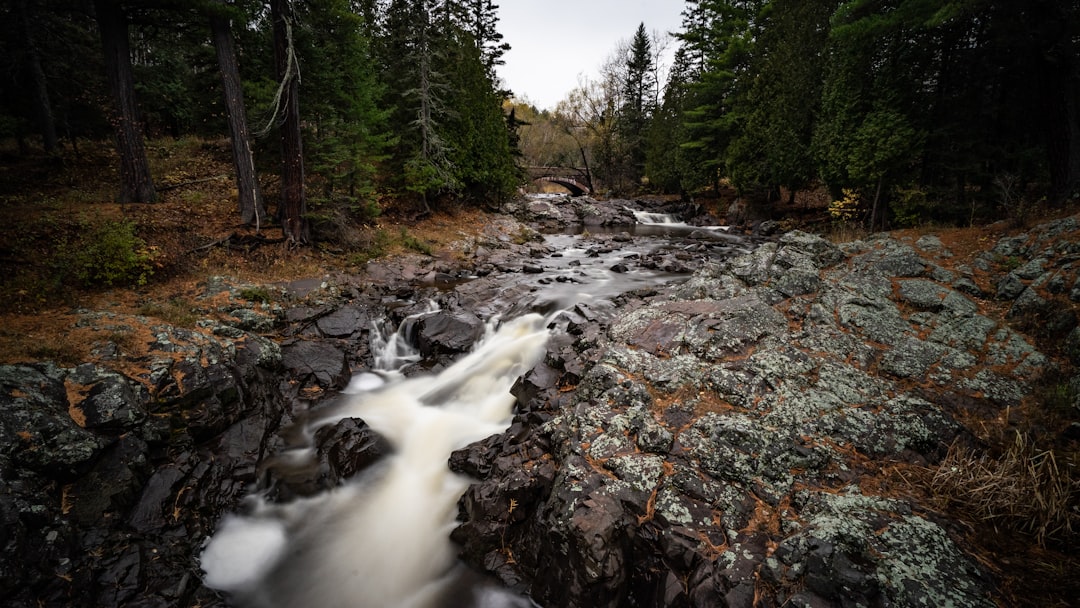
383,540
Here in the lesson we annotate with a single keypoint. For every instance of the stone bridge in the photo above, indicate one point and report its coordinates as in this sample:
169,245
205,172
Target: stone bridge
577,181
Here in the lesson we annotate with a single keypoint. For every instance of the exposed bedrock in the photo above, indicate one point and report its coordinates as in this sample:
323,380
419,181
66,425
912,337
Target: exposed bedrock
716,442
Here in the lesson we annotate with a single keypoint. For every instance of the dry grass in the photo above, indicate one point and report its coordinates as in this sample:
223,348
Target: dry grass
1024,489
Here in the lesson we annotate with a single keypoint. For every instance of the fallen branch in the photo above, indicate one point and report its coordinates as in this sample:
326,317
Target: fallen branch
188,183
247,242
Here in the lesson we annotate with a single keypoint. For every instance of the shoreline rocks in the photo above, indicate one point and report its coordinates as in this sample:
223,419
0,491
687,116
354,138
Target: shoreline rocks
715,444
716,441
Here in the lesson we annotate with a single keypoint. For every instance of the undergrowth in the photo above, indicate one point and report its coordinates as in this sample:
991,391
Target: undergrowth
1023,489
107,254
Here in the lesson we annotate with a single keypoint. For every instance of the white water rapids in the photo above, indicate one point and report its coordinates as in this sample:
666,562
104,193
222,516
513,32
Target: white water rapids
382,541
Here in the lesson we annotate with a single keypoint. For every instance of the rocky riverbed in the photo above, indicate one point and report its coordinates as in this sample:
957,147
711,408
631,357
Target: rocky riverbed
717,436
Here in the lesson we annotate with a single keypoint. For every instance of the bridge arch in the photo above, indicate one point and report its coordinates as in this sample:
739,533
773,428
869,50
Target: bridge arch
575,180
576,188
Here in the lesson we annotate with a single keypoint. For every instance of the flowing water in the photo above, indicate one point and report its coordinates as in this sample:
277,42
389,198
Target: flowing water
382,540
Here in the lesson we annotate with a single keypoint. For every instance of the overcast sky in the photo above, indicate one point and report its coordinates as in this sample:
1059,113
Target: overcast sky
554,41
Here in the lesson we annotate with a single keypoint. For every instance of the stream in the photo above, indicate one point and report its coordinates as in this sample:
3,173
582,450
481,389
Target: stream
382,540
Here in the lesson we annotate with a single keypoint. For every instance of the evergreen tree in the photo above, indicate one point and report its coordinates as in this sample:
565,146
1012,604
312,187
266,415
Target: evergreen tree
726,44
639,91
772,147
482,24
666,161
346,131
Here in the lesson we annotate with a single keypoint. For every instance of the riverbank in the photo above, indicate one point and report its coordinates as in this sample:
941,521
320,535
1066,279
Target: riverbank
686,443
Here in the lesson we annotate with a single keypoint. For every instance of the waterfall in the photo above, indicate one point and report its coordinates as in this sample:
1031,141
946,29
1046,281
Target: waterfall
394,348
382,540
645,217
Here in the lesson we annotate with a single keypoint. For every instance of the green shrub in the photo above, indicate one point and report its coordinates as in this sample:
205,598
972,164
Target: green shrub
911,207
256,294
109,255
411,242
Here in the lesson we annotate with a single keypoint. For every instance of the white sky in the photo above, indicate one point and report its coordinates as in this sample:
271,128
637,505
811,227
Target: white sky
554,41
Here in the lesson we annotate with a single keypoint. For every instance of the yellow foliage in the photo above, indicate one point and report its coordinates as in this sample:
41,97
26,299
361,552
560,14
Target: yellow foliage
847,208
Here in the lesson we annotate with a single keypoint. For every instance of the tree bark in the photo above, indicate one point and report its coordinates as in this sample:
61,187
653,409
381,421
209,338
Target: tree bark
1058,77
293,206
37,74
135,182
252,211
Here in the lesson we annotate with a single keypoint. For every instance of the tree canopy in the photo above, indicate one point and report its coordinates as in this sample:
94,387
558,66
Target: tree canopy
897,102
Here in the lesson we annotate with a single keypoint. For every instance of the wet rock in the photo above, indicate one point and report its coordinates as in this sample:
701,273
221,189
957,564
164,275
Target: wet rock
448,333
113,484
347,448
344,322
321,362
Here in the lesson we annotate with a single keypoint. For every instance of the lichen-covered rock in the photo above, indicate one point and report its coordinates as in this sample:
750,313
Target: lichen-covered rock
109,479
36,429
718,413
858,549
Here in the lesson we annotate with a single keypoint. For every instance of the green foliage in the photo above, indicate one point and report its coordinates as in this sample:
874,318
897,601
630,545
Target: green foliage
346,132
173,311
911,207
412,243
110,254
256,294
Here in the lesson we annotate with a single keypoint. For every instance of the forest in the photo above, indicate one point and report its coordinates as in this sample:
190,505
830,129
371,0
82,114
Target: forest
904,111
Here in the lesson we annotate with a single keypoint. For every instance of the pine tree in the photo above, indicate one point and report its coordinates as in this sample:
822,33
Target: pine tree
639,91
725,41
772,147
346,134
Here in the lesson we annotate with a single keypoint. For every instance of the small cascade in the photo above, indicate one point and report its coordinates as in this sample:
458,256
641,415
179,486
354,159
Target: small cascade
394,347
382,540
656,219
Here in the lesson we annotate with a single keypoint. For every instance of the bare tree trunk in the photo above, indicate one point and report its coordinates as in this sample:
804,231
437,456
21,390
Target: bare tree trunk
41,90
252,211
293,206
136,184
588,171
875,210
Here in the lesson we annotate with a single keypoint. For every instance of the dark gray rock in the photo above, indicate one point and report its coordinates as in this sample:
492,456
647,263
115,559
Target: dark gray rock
321,362
36,429
109,400
447,332
344,322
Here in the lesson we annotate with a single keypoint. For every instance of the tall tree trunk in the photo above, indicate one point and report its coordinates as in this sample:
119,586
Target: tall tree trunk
252,211
1060,114
136,184
293,206
37,74
1058,76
